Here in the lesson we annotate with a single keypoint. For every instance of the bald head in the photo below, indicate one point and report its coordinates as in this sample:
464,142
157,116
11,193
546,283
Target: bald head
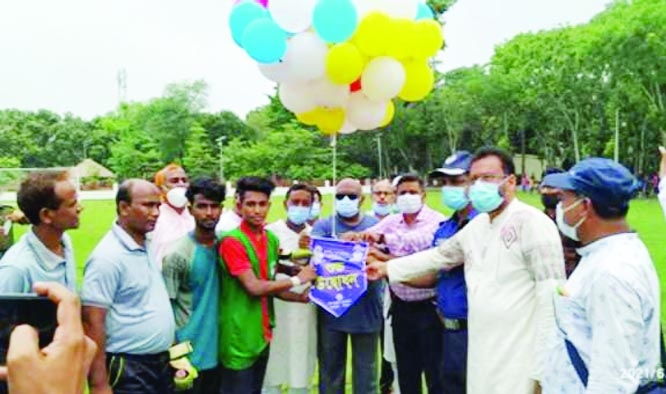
137,203
383,192
349,185
130,187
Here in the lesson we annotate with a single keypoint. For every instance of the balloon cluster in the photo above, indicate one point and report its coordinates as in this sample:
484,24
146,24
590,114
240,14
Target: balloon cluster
340,63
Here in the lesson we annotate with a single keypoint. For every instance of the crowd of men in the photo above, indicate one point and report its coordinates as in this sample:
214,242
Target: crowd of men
179,295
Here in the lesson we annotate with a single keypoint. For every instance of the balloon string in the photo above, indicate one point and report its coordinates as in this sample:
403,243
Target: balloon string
334,144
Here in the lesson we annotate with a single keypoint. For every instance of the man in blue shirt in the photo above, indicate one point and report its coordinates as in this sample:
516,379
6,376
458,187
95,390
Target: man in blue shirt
44,253
192,281
451,288
126,308
363,321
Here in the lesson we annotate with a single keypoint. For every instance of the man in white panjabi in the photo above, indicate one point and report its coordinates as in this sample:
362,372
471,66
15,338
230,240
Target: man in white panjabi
513,260
294,345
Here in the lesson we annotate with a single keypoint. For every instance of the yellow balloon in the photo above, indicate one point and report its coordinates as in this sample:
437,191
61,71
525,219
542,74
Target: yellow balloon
309,118
371,34
402,38
330,120
428,38
390,113
419,80
344,63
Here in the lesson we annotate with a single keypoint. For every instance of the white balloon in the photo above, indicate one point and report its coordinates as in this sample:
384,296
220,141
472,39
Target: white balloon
296,97
400,8
383,78
277,72
347,128
364,7
328,94
364,113
293,16
306,56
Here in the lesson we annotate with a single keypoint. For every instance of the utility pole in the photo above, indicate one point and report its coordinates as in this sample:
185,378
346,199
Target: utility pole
378,138
220,142
616,155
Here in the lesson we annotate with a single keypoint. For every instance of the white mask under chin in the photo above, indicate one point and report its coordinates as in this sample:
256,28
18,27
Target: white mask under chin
176,197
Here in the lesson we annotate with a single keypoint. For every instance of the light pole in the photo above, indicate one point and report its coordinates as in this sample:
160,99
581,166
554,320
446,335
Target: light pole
220,142
378,138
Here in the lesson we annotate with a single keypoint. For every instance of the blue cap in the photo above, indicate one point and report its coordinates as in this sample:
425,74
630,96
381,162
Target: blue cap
601,180
456,164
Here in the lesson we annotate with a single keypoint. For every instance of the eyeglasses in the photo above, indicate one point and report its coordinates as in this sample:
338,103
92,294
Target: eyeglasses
351,196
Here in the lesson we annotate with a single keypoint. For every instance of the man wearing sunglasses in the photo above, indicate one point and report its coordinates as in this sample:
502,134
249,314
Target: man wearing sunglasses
512,256
363,321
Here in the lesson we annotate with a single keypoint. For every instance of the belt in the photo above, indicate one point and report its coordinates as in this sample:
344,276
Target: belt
452,324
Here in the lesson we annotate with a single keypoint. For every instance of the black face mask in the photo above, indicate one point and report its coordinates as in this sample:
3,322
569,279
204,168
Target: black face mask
549,200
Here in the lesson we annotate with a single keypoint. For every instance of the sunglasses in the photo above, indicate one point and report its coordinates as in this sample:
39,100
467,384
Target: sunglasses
340,196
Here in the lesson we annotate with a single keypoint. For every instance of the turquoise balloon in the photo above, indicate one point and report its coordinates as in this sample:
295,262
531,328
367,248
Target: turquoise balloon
335,20
242,15
264,41
424,12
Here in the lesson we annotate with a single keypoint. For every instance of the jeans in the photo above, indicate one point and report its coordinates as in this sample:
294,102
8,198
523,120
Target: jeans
245,381
332,352
454,361
417,335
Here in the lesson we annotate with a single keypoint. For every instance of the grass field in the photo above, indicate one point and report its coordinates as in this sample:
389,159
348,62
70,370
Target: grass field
645,216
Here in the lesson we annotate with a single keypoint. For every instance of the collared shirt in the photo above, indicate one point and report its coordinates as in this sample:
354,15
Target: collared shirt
403,239
121,277
451,287
609,310
29,261
234,255
662,194
365,316
512,264
170,227
229,220
192,281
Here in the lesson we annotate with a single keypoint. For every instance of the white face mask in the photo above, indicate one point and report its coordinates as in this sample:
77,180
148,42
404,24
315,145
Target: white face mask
176,197
409,203
566,229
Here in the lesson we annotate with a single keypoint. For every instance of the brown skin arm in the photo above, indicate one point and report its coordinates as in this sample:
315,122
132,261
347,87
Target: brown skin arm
258,288
426,281
94,325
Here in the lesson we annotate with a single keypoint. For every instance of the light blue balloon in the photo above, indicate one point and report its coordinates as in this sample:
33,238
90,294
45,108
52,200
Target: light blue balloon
242,15
264,41
424,12
335,20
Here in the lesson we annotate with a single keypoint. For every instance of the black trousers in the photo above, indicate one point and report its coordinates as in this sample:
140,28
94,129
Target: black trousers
417,336
245,381
208,382
140,374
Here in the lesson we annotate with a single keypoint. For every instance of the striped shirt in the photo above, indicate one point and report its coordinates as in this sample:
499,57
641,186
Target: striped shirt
403,239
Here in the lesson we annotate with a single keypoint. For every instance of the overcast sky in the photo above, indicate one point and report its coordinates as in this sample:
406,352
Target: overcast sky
65,55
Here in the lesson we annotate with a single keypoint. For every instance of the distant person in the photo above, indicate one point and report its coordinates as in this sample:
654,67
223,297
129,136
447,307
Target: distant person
126,308
383,199
230,218
315,210
44,254
8,217
608,311
191,275
175,220
662,183
248,255
293,355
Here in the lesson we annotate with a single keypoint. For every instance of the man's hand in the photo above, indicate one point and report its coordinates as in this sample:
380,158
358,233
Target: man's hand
307,274
372,238
376,269
304,241
63,364
378,254
662,165
351,236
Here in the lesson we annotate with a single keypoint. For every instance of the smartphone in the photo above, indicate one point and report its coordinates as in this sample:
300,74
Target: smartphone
36,311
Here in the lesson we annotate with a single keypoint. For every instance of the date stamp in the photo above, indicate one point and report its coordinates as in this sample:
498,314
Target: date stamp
650,374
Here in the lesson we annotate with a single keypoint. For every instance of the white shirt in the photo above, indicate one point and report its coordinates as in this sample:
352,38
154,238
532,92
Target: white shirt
511,268
662,194
170,227
229,220
610,312
293,354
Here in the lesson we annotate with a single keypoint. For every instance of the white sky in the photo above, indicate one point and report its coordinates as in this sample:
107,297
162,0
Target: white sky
64,55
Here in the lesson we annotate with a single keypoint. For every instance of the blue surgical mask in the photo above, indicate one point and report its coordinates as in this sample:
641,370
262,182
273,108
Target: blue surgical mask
315,210
347,207
454,197
381,209
298,215
485,196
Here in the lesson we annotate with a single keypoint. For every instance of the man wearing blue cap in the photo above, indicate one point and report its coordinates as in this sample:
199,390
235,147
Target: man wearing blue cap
451,288
607,313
